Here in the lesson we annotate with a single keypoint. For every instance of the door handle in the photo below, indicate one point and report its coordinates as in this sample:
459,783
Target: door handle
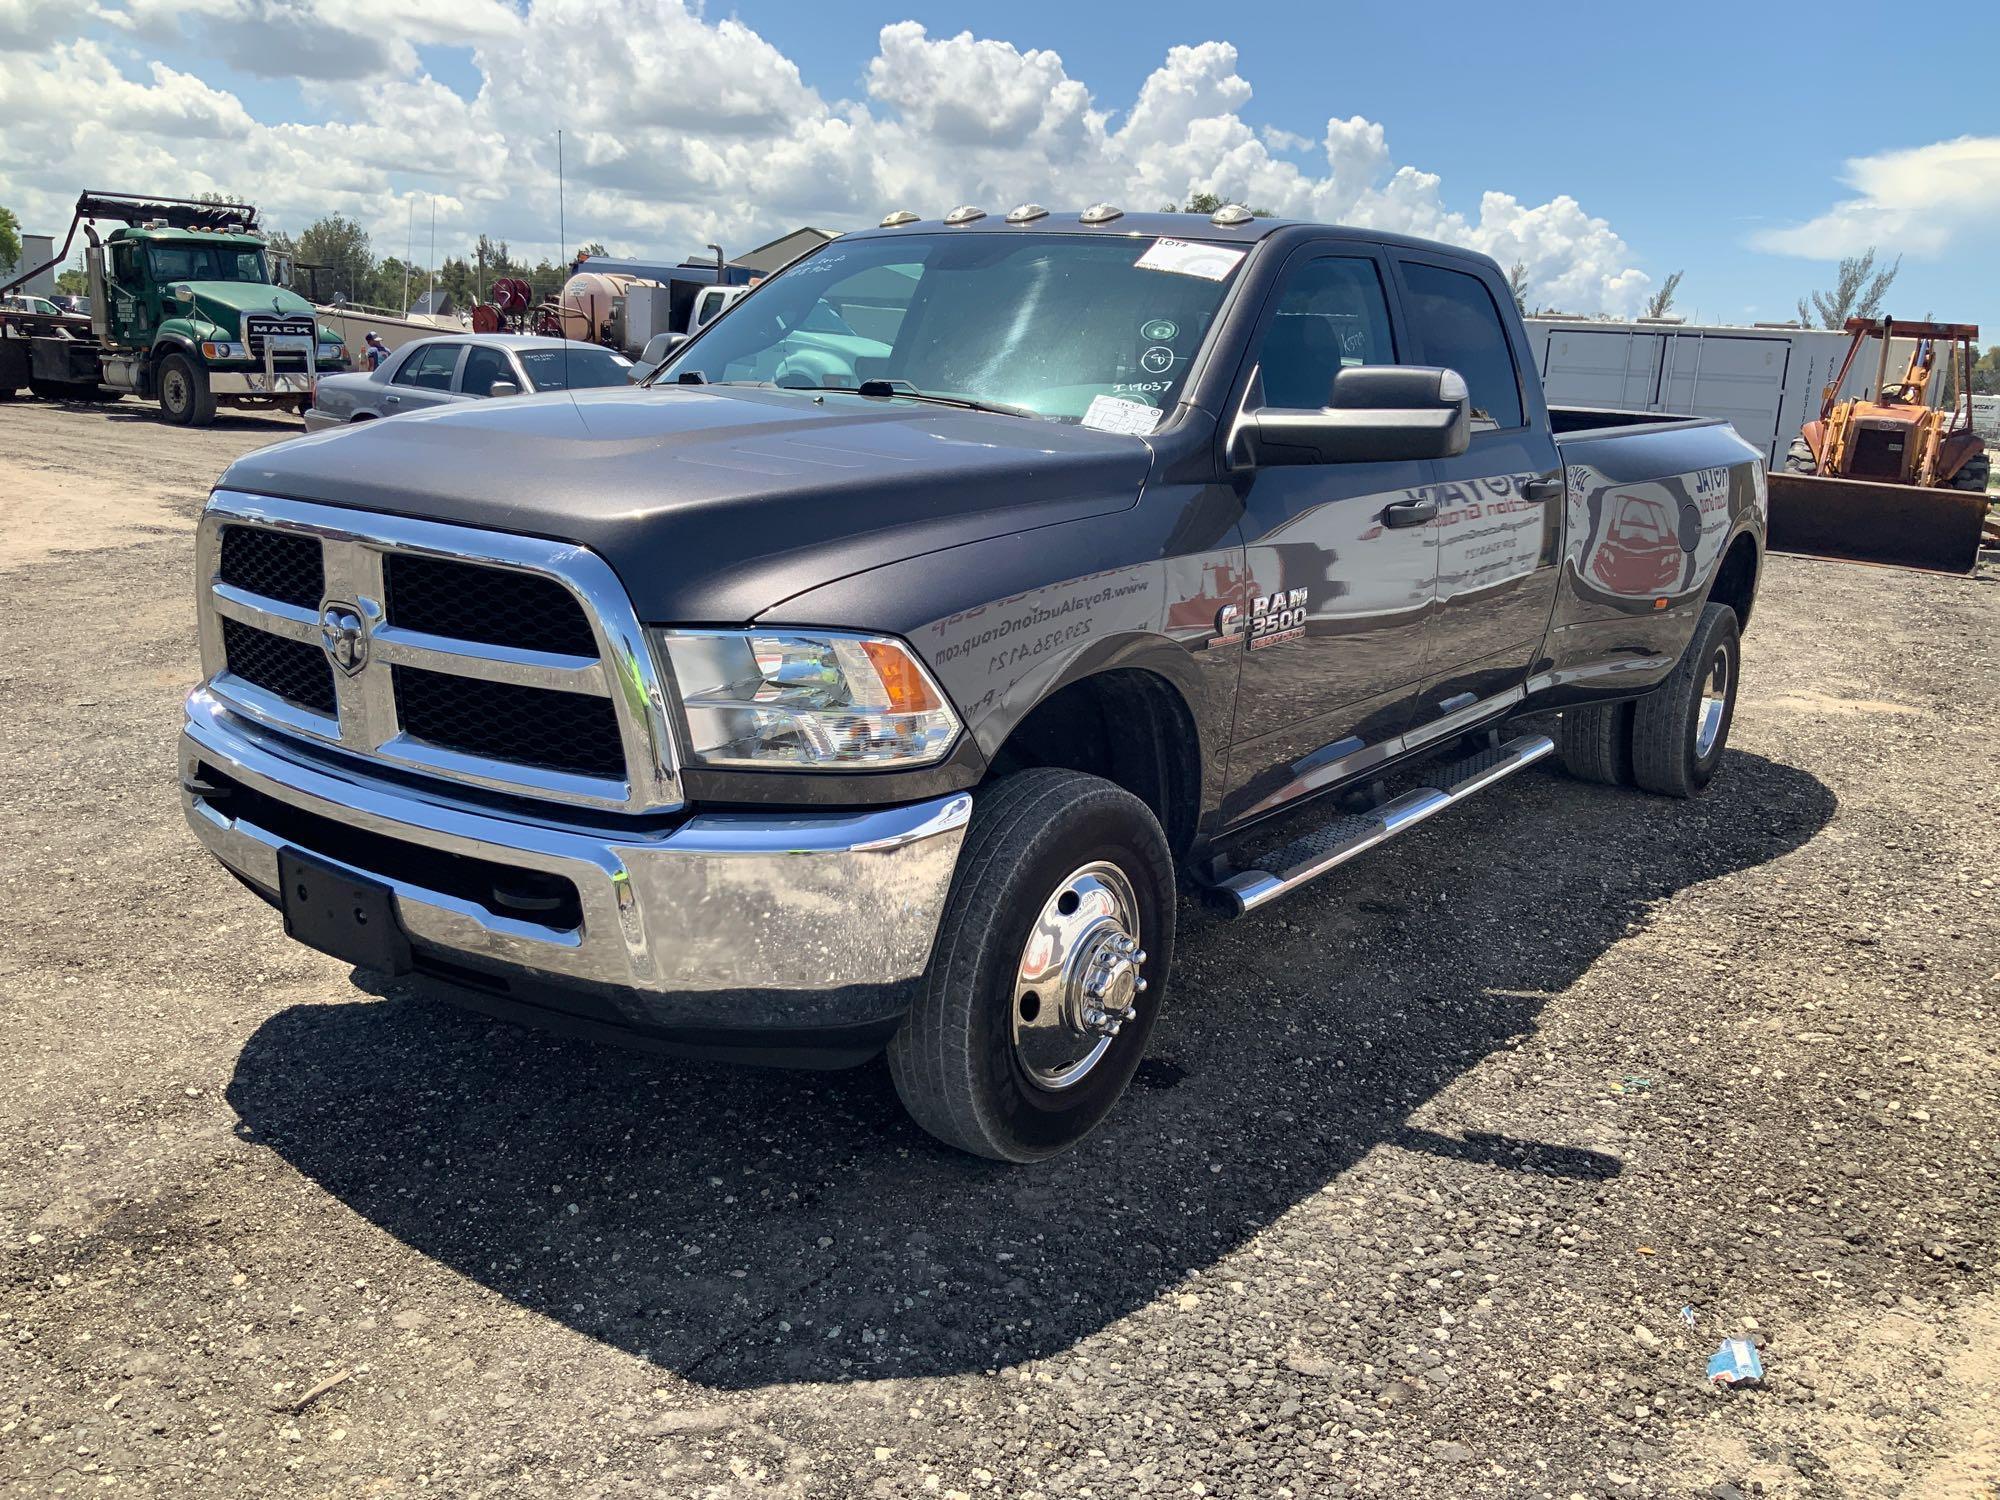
1542,489
1410,512
391,400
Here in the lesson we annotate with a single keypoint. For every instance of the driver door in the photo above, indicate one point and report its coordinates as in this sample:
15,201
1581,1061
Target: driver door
1342,570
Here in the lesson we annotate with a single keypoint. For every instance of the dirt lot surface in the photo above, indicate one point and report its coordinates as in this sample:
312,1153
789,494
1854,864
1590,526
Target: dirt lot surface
1446,1180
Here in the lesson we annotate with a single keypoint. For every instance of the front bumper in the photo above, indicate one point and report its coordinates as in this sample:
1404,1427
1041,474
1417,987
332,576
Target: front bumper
716,930
262,383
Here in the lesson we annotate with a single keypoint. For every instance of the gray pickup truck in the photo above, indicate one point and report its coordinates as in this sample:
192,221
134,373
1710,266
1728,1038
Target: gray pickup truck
868,678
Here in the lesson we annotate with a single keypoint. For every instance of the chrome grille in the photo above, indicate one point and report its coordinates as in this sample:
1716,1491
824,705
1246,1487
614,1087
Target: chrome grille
501,661
277,564
257,327
471,603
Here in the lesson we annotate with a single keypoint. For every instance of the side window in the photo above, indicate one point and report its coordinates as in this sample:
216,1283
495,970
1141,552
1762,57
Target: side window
430,367
484,365
1331,313
1458,326
708,307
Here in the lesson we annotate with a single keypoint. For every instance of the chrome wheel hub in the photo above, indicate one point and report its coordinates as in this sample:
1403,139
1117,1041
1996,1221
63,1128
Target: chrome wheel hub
1714,698
1079,979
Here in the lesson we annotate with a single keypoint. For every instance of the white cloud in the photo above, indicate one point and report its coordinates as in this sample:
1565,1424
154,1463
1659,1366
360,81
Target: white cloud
679,131
1916,201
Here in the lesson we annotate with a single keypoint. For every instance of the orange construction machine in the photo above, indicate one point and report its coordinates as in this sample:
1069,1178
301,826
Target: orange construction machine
1897,479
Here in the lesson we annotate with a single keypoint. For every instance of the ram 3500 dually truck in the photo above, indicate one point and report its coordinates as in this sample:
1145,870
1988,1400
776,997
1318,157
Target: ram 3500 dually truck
864,680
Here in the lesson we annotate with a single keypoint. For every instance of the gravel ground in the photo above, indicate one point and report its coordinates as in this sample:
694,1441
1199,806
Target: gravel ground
1410,1200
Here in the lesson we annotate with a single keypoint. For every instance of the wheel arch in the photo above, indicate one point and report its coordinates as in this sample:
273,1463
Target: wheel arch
1124,718
1736,579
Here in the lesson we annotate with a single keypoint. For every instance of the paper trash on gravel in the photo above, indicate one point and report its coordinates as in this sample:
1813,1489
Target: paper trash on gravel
1736,1360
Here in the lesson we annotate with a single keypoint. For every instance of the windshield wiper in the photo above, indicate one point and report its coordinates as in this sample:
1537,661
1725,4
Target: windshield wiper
903,390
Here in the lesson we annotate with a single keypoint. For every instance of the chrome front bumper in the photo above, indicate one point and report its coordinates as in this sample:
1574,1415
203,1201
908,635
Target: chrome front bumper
258,383
779,920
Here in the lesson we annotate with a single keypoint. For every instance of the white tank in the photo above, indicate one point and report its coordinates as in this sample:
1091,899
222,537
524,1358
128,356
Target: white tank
587,298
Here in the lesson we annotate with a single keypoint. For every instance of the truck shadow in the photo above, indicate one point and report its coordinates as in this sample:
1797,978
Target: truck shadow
746,1227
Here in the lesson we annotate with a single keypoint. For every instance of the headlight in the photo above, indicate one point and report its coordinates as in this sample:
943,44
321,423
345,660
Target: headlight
220,350
806,700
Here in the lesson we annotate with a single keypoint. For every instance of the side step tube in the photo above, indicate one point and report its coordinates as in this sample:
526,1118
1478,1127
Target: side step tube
1311,856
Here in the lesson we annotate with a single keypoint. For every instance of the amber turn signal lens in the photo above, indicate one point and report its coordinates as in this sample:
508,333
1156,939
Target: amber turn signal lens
908,692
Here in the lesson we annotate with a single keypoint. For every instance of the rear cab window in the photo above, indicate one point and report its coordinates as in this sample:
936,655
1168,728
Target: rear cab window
1458,326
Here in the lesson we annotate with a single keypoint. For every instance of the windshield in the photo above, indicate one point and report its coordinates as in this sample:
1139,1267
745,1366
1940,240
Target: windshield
1050,323
574,369
198,262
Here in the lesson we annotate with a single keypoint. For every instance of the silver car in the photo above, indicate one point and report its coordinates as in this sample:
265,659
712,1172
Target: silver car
462,367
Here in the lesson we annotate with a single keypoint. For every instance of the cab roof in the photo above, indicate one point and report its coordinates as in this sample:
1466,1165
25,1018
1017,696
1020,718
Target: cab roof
1178,226
188,236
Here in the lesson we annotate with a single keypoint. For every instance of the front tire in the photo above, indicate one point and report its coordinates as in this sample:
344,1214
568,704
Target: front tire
1974,474
1799,457
1049,970
1679,730
185,398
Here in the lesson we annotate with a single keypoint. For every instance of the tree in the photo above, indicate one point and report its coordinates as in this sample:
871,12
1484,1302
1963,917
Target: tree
1658,304
1857,292
1517,283
10,238
341,245
1986,373
594,251
72,280
1208,203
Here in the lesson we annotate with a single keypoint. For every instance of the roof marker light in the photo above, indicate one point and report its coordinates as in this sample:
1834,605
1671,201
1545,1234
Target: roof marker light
965,213
1230,215
900,217
1027,213
1101,213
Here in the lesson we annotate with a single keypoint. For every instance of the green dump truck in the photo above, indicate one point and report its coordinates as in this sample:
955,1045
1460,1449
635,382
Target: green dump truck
183,311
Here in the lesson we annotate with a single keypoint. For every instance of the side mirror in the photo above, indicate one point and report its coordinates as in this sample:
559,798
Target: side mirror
501,388
1375,414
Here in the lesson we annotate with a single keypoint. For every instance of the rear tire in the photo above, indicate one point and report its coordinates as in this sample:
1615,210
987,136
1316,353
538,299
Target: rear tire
1680,729
185,398
1799,457
983,1060
1594,743
1975,474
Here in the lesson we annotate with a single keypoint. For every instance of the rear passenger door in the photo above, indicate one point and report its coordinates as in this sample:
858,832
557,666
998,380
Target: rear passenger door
1499,523
424,379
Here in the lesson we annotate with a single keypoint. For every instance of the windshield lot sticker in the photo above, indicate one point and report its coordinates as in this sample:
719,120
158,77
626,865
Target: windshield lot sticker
1115,414
1157,360
1209,262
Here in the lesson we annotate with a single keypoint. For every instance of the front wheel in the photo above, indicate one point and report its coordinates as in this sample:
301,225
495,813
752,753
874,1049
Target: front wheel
1049,969
1680,728
1974,474
185,398
1799,457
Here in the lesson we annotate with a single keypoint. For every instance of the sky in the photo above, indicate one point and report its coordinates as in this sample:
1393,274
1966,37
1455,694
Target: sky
1750,146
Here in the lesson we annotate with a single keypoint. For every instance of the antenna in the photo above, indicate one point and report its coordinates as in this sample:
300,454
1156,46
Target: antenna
409,250
432,303
562,228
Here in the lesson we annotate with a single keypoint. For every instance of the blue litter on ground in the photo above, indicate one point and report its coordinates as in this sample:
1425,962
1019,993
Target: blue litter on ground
1736,1360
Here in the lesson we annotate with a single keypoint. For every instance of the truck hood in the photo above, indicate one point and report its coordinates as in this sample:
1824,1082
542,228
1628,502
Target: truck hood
714,503
224,302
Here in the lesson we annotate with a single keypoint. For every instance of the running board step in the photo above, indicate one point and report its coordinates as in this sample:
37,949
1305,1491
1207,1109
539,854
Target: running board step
1312,855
